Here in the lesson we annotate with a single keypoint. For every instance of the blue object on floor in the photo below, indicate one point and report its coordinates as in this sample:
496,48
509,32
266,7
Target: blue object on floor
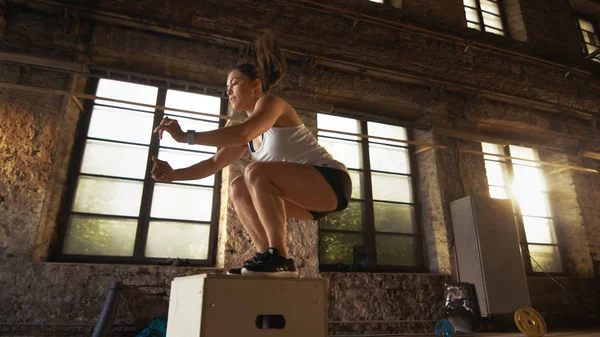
158,328
443,328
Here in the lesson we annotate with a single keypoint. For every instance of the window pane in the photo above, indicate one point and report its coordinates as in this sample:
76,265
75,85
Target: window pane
108,196
586,25
498,192
522,152
389,158
470,3
176,239
100,236
591,38
182,202
587,37
394,218
529,178
388,187
525,153
337,123
492,20
496,173
489,6
357,184
533,203
396,250
471,14
132,126
182,159
338,247
386,131
494,31
127,92
474,25
591,48
193,102
548,257
347,152
113,159
190,124
492,148
349,219
539,230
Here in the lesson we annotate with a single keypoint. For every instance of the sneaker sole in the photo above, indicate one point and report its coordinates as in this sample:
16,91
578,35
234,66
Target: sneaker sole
275,274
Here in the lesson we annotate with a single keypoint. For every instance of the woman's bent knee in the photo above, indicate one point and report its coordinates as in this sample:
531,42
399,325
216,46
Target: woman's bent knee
238,191
253,172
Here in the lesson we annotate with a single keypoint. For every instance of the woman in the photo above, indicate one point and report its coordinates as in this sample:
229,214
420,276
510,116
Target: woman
291,176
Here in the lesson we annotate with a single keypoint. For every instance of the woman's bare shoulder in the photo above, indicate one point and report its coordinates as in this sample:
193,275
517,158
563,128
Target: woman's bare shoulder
289,117
279,103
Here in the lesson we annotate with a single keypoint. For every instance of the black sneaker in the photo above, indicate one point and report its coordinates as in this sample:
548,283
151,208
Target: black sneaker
254,260
272,264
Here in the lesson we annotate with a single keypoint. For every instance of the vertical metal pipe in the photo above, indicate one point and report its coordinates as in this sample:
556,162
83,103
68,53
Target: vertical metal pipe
109,310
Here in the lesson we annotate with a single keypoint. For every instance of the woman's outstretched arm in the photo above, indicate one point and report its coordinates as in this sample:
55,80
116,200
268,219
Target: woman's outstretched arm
268,109
162,171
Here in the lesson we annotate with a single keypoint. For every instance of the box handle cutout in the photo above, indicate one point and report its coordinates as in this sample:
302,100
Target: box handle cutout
270,322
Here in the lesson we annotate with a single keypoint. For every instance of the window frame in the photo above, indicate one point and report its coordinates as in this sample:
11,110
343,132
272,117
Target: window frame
594,24
482,24
524,245
74,172
368,214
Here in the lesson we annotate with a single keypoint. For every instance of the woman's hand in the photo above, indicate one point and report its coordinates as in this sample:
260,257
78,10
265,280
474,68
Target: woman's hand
172,127
162,171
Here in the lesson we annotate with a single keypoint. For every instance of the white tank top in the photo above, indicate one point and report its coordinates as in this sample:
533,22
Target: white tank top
294,144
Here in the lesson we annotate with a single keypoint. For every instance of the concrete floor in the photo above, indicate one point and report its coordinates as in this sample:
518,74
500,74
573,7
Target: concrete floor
583,333
586,333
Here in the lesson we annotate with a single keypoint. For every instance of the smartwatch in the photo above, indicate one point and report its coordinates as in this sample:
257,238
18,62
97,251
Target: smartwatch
190,135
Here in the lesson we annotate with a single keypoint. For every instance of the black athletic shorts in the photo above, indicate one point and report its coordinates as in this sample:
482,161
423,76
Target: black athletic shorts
342,186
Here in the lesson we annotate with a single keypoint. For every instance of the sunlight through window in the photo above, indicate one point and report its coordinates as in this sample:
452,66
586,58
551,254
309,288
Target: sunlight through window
116,205
382,204
589,36
527,187
484,15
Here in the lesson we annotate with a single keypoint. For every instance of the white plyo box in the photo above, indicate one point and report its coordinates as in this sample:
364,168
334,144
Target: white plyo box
228,306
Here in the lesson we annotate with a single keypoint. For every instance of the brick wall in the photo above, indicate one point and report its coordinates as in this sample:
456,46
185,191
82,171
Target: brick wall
570,303
588,195
567,210
549,24
514,18
36,136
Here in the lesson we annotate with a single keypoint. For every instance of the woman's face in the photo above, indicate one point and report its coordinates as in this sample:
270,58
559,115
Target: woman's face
242,91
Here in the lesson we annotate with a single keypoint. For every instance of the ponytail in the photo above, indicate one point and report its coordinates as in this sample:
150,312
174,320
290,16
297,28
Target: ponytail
269,59
270,65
